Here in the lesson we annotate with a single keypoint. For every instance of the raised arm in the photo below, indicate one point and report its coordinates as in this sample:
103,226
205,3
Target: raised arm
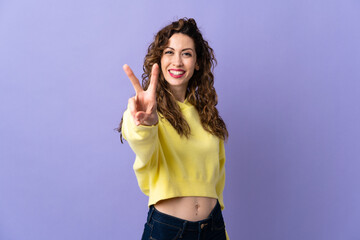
140,119
143,105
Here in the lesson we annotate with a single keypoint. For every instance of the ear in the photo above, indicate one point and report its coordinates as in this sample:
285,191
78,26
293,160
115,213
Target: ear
197,67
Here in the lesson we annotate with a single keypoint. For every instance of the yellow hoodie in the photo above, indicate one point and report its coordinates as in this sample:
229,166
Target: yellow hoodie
168,165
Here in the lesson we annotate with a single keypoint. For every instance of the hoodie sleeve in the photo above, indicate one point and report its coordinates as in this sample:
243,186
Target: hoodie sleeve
143,140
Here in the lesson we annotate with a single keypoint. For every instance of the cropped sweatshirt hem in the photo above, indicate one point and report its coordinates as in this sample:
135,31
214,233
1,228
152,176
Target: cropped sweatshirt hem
199,189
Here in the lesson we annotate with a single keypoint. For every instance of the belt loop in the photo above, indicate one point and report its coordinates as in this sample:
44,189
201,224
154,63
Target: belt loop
150,213
183,228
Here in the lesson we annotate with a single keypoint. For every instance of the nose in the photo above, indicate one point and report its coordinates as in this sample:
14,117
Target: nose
177,61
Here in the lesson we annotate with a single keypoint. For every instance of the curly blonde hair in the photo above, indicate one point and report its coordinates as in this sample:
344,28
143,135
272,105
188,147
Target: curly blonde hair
200,90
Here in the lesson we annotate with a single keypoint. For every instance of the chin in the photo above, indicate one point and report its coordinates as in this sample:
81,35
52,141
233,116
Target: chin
176,83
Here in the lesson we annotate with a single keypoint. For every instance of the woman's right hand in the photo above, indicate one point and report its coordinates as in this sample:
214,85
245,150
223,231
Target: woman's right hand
143,105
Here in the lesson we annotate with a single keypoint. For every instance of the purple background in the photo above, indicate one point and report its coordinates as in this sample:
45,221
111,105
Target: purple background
289,91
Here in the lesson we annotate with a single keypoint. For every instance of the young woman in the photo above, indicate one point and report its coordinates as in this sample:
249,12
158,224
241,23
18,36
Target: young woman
176,132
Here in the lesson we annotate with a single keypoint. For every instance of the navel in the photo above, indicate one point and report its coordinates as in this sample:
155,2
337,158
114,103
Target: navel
197,206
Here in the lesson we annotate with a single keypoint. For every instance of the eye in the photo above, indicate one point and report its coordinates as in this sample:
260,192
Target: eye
167,52
188,54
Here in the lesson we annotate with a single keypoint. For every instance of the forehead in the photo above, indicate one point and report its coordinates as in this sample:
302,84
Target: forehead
181,41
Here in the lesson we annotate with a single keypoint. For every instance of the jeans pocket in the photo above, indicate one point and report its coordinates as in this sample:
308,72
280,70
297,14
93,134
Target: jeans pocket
163,231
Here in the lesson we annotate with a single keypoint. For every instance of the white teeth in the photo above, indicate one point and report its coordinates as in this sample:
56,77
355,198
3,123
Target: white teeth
176,72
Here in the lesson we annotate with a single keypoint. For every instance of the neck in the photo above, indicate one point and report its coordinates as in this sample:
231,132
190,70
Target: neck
179,93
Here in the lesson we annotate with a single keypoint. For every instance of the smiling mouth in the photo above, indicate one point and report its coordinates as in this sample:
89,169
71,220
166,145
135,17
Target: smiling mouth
176,74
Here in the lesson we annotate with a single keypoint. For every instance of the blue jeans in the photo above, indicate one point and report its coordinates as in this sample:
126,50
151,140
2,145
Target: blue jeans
160,226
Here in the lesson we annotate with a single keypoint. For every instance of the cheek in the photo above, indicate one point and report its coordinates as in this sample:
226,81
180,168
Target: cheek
192,64
163,65
163,70
164,73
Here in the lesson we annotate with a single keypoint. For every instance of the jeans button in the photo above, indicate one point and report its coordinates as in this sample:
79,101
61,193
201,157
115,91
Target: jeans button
203,225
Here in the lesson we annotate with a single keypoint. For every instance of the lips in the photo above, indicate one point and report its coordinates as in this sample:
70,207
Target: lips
176,73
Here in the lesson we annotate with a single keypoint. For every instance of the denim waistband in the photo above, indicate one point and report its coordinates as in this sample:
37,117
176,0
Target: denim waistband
214,216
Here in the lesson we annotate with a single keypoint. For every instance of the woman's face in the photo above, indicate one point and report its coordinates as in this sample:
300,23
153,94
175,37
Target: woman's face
178,61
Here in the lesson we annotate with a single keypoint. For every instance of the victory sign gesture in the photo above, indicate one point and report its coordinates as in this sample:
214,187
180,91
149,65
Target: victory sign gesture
143,105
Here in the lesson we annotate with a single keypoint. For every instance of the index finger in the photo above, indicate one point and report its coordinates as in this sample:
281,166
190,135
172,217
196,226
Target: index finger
135,82
154,78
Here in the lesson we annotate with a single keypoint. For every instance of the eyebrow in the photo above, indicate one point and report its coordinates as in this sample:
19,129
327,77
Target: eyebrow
182,50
